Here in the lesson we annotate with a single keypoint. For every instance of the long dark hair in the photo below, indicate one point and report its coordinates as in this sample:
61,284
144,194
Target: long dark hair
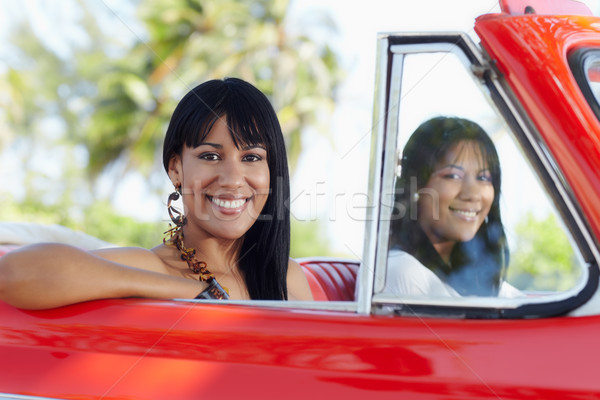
251,119
478,266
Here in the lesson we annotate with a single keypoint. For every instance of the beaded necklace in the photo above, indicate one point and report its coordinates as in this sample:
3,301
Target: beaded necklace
174,237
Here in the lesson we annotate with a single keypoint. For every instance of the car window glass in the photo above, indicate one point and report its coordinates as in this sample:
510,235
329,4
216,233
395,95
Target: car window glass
592,75
537,257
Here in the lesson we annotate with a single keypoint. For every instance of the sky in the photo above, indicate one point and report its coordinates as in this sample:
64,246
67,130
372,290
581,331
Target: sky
332,177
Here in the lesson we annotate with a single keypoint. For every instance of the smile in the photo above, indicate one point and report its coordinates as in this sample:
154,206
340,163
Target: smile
229,204
465,213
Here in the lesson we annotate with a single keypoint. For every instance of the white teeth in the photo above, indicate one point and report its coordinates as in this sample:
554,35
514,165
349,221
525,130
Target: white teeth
228,204
470,214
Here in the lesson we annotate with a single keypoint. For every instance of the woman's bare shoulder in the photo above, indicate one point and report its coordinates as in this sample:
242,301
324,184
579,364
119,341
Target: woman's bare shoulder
298,288
137,257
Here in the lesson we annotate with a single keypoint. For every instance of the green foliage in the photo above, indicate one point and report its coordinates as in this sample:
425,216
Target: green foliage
308,239
543,258
99,220
190,42
109,100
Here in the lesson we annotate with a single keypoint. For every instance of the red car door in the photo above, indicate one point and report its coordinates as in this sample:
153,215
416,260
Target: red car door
381,345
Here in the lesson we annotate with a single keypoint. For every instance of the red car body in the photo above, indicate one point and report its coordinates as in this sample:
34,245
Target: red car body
338,347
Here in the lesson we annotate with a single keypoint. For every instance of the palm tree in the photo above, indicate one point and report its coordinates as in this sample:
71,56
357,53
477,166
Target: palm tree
189,42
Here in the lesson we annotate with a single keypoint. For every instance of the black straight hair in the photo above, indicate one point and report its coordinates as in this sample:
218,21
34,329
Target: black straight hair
478,266
251,120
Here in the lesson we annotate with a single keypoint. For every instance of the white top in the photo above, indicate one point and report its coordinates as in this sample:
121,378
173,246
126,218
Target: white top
407,277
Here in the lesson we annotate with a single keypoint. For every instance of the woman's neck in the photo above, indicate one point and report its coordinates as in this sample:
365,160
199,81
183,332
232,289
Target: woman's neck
444,249
220,255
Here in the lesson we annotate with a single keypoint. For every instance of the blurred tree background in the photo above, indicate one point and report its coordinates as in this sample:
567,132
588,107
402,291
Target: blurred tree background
76,125
543,258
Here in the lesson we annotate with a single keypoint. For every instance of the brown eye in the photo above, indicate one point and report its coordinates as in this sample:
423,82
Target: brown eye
209,156
452,176
485,178
252,158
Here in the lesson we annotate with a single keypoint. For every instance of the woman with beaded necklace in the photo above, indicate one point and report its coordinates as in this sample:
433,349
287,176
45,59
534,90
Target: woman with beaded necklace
224,153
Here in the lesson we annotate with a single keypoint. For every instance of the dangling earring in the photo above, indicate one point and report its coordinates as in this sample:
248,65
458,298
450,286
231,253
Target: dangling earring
176,216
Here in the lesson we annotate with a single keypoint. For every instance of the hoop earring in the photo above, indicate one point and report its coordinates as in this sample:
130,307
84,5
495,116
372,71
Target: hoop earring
176,216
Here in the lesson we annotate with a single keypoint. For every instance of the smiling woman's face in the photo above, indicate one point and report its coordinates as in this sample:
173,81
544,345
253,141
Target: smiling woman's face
457,197
224,187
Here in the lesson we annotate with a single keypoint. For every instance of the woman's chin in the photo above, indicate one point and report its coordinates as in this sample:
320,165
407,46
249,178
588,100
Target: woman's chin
468,237
233,233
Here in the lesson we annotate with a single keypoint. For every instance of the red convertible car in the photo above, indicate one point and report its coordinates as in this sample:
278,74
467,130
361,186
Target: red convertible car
531,78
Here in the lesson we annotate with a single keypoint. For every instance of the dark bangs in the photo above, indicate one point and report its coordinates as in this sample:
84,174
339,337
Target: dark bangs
432,139
243,115
248,112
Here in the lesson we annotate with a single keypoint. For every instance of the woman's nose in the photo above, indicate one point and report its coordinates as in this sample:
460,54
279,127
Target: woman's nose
470,189
231,174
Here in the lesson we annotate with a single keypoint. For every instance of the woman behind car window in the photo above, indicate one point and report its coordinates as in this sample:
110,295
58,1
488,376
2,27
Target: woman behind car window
225,155
449,222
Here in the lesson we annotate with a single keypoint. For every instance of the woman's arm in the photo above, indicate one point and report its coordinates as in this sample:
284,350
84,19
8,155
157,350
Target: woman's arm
52,275
298,288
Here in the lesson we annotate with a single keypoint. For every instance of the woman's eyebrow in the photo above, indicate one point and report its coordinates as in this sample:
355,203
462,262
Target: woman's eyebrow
220,146
215,145
452,166
254,146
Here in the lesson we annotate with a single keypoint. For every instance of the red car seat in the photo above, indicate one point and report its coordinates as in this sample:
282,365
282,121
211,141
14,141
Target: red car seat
330,279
